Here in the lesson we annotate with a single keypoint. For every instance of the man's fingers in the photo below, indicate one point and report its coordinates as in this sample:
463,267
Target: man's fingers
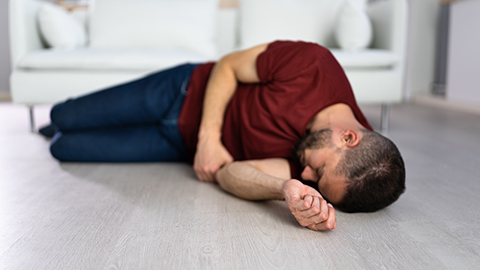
318,213
323,216
209,176
306,203
329,224
206,174
228,159
298,205
200,175
332,218
206,166
304,217
202,172
309,216
308,206
312,192
203,176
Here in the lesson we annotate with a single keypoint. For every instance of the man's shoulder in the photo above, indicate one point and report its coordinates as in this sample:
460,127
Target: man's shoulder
303,46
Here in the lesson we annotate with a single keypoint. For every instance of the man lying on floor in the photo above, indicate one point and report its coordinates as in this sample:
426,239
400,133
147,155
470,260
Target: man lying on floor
239,121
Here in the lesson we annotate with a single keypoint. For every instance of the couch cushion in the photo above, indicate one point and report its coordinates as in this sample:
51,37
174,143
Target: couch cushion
149,59
369,58
120,59
353,30
263,21
60,29
185,24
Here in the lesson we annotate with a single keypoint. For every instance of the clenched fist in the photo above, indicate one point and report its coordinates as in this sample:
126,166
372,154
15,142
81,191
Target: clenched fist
308,206
210,156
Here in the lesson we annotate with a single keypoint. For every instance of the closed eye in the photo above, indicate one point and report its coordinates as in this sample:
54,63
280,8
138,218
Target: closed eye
320,171
302,160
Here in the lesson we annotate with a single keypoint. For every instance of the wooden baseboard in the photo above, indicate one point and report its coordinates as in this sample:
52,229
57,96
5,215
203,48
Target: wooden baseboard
5,96
442,102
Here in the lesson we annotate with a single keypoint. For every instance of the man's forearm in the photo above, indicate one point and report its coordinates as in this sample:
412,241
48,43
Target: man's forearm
247,182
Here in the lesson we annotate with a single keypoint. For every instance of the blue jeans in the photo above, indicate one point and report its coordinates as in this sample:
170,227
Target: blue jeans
132,122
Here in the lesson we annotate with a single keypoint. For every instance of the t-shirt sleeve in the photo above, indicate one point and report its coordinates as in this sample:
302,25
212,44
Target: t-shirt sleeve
295,169
286,60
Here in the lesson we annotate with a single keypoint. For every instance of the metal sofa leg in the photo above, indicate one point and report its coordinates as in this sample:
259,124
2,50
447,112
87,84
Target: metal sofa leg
32,119
385,118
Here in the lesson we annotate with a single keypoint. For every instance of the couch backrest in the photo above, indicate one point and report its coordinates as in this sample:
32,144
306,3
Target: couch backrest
226,28
309,20
253,23
388,19
152,24
24,34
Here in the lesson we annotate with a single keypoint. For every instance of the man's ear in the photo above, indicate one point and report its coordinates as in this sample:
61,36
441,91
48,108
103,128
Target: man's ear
350,138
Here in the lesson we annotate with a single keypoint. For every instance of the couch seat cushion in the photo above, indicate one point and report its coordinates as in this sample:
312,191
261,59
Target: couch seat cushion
119,59
151,59
370,58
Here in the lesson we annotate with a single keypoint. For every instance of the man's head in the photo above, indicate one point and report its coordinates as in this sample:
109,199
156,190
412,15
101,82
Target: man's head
357,171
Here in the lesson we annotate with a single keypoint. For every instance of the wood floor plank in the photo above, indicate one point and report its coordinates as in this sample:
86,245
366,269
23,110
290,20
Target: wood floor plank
158,216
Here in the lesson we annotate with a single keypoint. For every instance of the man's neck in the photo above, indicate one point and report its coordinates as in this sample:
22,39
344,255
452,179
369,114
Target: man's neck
339,115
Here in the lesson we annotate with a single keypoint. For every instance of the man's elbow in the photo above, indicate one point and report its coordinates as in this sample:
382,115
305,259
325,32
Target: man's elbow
226,177
233,178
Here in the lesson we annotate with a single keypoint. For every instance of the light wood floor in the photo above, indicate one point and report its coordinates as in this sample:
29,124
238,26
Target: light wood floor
158,216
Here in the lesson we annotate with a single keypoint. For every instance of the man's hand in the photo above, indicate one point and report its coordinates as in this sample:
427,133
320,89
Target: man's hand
210,156
308,206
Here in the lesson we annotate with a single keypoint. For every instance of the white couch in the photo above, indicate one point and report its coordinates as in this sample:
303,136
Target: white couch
42,75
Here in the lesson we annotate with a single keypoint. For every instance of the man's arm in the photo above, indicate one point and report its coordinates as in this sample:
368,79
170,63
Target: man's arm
269,179
233,68
246,180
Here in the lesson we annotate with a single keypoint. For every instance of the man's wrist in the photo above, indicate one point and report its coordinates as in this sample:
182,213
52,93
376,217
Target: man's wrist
284,189
209,134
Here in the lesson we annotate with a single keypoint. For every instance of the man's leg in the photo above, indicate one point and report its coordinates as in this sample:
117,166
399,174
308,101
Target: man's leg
139,102
126,144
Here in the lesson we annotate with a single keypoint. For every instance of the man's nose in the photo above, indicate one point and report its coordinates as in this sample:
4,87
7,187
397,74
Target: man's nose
307,174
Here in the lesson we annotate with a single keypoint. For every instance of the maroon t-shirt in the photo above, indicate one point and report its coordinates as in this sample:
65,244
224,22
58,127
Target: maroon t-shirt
265,120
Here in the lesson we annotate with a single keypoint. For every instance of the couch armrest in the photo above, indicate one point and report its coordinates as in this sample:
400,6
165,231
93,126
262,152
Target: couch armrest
389,21
24,30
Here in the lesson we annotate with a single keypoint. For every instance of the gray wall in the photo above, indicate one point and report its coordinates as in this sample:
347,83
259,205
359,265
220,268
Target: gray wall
4,47
463,81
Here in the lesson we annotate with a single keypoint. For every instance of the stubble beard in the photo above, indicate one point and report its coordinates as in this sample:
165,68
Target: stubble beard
314,140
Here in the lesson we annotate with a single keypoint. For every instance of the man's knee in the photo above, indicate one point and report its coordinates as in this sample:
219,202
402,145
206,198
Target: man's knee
58,147
58,116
